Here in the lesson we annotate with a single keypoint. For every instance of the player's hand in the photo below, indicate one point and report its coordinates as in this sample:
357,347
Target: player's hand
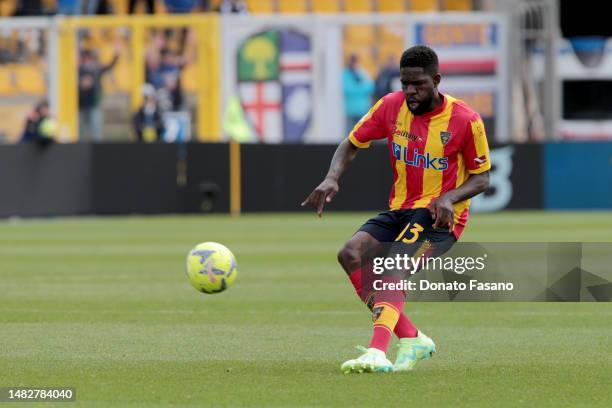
443,213
324,193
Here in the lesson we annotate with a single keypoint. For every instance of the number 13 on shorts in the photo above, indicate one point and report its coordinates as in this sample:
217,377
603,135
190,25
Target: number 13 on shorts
414,233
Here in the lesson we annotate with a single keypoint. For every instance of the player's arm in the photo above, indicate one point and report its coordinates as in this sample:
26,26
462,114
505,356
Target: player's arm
369,128
442,208
325,192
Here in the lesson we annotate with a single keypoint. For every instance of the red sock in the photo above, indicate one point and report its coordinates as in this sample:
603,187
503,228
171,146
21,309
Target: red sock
380,338
404,327
385,315
356,281
355,278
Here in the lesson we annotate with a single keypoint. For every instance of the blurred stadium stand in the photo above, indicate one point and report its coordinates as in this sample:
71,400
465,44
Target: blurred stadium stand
558,88
292,6
120,7
325,6
24,66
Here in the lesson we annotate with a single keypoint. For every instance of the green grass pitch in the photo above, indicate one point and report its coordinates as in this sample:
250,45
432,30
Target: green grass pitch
103,305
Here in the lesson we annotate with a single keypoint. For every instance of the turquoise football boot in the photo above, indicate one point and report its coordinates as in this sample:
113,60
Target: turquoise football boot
412,350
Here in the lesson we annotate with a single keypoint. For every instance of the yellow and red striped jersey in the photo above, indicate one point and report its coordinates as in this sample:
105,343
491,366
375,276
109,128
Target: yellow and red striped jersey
430,153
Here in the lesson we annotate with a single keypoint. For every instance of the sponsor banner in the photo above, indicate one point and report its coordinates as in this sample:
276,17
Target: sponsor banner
472,58
465,48
545,272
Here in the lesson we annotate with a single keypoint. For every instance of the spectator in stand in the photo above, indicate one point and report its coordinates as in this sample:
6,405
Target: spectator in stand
29,8
233,6
69,7
149,6
164,73
180,6
163,70
148,121
91,7
388,79
358,88
91,117
40,128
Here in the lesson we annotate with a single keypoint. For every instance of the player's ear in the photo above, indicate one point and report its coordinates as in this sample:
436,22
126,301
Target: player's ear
436,79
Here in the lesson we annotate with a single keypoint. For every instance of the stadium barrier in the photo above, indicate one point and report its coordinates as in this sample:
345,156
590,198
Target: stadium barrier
79,179
82,179
578,175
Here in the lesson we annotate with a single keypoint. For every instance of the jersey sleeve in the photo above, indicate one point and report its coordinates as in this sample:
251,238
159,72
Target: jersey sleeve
476,148
370,127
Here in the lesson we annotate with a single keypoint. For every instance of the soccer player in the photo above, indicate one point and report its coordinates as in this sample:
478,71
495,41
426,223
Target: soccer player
440,159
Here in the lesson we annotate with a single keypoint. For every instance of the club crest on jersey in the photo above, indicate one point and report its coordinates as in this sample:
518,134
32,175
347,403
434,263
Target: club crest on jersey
426,161
445,137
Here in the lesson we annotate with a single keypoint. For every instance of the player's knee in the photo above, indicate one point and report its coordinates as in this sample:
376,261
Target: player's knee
349,256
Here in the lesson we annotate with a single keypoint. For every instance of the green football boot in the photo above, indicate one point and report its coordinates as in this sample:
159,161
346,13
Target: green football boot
411,350
371,361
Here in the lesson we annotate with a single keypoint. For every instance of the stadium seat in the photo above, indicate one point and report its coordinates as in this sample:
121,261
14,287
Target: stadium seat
292,6
6,80
391,6
424,5
359,33
392,33
120,78
94,40
260,6
160,7
7,7
189,78
120,7
29,78
457,5
325,6
390,43
106,50
214,4
46,4
357,6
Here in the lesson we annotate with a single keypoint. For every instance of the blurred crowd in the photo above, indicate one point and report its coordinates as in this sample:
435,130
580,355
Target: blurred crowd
168,52
166,56
93,7
361,91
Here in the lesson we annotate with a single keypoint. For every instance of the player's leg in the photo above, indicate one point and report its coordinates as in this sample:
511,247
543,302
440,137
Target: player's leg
414,345
382,228
350,258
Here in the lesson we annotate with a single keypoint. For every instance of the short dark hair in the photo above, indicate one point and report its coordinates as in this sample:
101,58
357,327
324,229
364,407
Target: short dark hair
420,56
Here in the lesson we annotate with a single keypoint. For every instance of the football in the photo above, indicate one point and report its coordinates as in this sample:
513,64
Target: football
211,267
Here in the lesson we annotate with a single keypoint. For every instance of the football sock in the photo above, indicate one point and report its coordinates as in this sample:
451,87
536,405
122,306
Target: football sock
355,278
404,327
385,316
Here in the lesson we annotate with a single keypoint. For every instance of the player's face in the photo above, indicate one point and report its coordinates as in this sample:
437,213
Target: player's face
420,89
